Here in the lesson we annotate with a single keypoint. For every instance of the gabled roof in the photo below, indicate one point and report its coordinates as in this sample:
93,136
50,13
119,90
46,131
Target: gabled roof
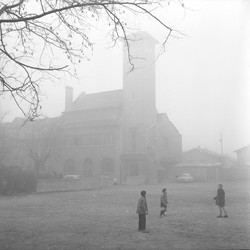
161,116
141,36
204,150
243,148
198,164
100,100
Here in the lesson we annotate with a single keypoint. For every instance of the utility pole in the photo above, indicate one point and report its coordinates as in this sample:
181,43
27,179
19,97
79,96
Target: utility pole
221,148
222,157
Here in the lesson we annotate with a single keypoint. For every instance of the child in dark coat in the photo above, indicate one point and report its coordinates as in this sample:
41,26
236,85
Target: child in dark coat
142,211
220,201
164,202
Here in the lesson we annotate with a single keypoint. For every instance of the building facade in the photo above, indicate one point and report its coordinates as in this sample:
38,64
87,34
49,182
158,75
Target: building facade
204,164
243,156
119,133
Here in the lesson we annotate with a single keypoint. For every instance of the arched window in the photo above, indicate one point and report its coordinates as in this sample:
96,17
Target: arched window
88,168
107,167
69,167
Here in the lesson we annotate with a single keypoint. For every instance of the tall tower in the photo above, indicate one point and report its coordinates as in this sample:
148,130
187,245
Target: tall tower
139,91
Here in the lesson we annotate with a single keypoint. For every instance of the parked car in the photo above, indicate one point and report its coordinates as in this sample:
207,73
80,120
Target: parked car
186,177
115,181
71,177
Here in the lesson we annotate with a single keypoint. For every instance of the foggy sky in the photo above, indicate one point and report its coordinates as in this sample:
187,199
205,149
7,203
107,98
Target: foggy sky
201,80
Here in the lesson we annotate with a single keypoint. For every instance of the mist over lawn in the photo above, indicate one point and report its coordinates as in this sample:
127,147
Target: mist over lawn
106,219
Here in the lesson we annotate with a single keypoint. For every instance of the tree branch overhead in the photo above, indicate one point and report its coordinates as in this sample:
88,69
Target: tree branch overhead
34,32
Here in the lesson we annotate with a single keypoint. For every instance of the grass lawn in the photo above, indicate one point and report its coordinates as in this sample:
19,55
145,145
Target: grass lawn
106,219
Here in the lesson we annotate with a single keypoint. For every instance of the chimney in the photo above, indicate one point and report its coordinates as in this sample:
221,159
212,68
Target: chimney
68,97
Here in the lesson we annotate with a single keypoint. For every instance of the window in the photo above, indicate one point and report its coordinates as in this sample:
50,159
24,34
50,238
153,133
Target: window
108,139
97,139
88,140
105,139
92,140
107,167
76,141
84,140
67,141
101,138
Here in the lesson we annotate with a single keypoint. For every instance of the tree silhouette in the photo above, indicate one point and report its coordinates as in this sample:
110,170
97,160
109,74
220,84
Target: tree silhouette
40,141
5,141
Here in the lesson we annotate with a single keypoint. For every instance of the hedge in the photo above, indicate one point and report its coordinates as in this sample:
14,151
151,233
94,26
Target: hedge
14,180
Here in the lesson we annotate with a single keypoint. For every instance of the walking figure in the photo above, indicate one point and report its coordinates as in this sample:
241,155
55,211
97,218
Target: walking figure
220,201
142,211
164,202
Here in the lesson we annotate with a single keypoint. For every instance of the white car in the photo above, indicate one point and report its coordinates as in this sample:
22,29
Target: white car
71,177
186,177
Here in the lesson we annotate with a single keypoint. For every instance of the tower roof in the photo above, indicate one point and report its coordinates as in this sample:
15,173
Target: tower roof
142,36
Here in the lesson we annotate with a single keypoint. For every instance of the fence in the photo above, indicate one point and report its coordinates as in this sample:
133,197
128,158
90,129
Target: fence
234,174
52,185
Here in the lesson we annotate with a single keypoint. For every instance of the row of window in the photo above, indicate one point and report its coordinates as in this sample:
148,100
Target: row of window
106,167
90,140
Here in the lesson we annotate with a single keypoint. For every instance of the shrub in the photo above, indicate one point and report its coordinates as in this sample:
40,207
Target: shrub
14,180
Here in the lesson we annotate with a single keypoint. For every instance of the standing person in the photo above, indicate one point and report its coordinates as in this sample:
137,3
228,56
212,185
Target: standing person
220,201
142,211
164,203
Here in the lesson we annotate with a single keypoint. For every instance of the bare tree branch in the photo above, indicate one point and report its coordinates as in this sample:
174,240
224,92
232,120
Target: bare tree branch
40,138
34,34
